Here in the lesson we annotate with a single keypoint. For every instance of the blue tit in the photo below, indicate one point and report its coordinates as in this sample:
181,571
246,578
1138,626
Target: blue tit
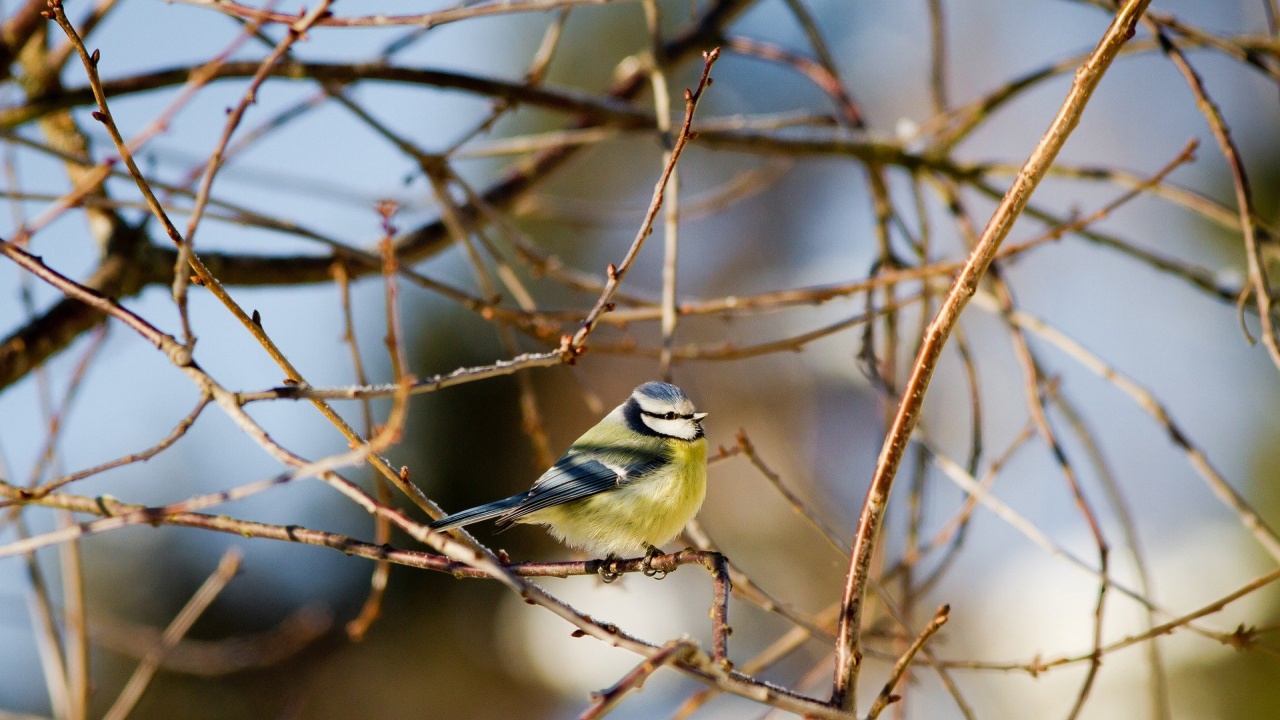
629,484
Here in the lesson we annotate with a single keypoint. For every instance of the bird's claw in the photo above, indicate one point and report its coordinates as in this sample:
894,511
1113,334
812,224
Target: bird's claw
648,569
606,570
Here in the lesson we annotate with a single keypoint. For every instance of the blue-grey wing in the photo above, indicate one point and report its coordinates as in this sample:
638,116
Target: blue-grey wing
487,511
581,475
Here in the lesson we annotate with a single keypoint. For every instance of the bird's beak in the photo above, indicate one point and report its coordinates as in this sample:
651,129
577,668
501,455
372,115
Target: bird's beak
697,417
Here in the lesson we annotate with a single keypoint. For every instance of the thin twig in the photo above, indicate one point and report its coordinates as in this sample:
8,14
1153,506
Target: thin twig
900,668
938,56
848,651
1249,518
572,346
1160,703
221,657
671,193
798,505
372,607
606,700
835,87
49,646
174,435
1260,288
76,633
195,607
744,587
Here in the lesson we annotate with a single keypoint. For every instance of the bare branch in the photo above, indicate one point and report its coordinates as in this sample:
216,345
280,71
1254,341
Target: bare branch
848,652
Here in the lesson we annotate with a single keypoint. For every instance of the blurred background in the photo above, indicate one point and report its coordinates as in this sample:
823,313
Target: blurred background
753,220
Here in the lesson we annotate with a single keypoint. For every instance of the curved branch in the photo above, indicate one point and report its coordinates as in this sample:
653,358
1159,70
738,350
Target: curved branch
611,110
848,636
119,275
58,328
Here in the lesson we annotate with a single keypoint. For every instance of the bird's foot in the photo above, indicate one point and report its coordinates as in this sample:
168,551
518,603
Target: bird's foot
606,570
649,570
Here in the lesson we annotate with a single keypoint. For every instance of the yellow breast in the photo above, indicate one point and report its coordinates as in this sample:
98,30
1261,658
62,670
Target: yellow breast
647,511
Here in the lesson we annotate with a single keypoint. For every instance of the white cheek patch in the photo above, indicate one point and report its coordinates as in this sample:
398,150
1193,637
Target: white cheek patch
678,427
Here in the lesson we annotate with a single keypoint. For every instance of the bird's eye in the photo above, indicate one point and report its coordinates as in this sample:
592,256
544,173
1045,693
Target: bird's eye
669,416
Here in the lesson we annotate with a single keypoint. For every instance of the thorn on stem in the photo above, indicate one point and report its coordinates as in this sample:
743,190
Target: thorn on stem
99,116
257,318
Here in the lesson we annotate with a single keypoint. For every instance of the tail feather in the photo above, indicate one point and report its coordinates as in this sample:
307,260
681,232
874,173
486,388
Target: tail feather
478,514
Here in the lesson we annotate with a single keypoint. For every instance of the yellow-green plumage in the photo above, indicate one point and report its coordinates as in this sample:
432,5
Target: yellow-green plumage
646,512
631,482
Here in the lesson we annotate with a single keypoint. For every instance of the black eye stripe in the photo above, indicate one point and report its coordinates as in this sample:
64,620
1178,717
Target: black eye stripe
663,416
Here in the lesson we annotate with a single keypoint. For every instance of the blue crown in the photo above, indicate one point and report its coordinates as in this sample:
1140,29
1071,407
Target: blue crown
664,392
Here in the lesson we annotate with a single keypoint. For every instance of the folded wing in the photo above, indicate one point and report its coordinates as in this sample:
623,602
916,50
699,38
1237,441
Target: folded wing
577,475
581,475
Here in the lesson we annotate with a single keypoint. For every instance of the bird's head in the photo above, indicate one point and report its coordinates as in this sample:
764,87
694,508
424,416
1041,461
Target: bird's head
665,410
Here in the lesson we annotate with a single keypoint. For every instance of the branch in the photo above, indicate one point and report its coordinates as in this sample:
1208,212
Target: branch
607,700
617,272
27,348
848,644
904,663
605,110
137,684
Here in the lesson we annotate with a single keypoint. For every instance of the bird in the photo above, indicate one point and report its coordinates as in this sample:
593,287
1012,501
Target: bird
630,483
